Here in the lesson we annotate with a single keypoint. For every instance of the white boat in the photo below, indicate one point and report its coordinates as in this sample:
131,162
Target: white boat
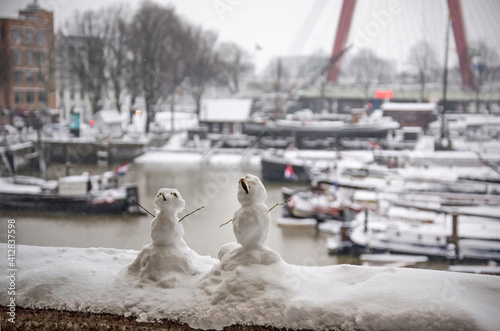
375,125
90,194
491,268
408,231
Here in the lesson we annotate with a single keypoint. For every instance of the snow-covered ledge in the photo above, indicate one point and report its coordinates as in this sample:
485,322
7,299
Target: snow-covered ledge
248,283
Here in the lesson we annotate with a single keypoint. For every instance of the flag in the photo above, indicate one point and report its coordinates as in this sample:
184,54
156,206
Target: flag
121,170
289,174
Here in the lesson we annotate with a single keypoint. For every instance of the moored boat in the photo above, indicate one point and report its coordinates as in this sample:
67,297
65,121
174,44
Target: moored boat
408,231
87,194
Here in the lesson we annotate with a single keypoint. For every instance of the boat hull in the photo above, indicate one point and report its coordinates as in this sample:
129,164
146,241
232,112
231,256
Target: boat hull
60,204
274,171
71,204
378,130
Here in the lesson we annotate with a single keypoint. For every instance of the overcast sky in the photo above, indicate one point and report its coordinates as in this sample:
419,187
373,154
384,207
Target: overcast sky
290,27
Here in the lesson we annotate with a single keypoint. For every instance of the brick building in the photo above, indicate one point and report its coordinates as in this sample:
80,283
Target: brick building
28,62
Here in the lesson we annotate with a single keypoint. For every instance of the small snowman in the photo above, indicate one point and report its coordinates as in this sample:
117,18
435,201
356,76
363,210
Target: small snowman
252,221
168,255
165,227
251,225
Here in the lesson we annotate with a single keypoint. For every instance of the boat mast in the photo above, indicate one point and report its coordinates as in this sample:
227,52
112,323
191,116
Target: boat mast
445,81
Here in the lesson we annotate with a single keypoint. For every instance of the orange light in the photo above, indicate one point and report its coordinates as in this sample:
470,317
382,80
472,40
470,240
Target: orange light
383,94
92,122
138,112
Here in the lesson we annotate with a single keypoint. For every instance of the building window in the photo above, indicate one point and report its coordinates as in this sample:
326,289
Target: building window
29,77
42,97
18,97
40,38
29,57
61,93
41,77
17,57
82,94
40,58
16,36
72,94
18,77
28,37
30,97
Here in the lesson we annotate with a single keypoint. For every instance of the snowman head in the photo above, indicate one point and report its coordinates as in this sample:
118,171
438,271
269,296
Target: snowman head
251,190
169,200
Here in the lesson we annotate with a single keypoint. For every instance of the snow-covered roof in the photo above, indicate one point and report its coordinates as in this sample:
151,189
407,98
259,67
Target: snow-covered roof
409,106
225,110
109,116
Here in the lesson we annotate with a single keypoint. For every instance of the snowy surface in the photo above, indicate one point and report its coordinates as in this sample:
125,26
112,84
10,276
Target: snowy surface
109,116
225,110
182,121
409,106
279,294
196,159
6,186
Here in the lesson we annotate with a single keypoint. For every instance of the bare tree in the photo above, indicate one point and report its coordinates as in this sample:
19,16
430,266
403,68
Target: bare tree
115,51
423,59
486,64
46,61
132,84
177,65
204,64
154,34
368,70
86,56
234,64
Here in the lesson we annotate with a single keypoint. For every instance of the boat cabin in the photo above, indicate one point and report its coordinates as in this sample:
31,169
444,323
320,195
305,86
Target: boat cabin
224,115
411,114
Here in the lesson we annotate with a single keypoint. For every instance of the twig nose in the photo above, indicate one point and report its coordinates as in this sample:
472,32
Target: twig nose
244,185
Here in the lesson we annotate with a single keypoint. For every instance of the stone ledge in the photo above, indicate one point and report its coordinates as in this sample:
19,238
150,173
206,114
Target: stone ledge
57,320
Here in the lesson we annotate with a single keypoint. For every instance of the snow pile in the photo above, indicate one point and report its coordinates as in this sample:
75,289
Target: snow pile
248,284
168,256
251,228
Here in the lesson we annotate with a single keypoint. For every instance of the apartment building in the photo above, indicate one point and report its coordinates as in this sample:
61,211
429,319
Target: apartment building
28,62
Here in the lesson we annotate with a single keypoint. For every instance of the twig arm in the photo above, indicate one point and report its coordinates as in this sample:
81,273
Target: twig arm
278,204
194,211
226,222
137,203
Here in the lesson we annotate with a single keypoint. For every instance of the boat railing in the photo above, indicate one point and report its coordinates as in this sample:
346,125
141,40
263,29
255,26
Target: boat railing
453,239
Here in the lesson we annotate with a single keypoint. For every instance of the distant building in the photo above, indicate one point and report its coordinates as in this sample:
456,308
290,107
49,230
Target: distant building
411,114
225,115
108,123
28,65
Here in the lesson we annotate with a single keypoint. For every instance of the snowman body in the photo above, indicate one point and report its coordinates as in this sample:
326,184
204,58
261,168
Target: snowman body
168,255
252,221
165,227
251,225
